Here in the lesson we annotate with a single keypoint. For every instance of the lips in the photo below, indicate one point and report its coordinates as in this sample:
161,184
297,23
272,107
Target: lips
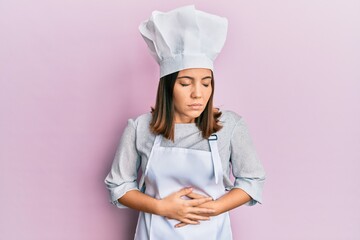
195,106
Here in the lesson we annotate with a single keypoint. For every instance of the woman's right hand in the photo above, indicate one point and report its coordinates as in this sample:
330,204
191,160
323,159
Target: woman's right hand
186,211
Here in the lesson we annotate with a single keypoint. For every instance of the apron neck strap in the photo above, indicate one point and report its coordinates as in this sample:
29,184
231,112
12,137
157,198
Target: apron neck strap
157,140
215,156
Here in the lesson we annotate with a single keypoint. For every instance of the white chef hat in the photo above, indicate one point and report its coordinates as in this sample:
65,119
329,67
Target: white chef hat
184,38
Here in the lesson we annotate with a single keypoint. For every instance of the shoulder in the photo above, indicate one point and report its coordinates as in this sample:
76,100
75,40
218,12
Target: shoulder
229,121
140,120
143,119
234,124
140,131
141,125
229,118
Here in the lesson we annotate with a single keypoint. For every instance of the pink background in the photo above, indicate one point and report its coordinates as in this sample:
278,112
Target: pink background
73,72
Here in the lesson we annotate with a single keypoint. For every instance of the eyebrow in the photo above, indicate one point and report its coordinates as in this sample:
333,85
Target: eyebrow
207,77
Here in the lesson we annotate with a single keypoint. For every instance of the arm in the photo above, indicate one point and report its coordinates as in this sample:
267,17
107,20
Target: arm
233,199
122,176
247,168
248,172
124,192
172,206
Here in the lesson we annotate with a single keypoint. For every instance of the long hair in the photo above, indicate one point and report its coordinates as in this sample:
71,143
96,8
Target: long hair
163,114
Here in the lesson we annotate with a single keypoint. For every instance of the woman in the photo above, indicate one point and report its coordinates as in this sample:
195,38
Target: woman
185,147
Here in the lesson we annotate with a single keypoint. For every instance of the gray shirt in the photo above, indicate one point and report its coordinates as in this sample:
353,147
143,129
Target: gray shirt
236,150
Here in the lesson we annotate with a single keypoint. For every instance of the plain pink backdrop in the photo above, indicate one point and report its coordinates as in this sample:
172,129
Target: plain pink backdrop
73,72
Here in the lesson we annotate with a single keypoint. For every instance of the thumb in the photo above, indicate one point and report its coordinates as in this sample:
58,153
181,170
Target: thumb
185,191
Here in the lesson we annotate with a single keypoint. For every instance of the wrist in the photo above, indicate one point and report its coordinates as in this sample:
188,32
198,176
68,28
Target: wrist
212,205
217,207
158,207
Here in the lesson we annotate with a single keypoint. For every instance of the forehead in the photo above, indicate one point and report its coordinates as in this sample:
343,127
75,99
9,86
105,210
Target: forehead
195,72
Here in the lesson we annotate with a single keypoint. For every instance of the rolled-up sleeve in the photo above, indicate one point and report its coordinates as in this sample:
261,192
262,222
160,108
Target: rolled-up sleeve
123,174
247,169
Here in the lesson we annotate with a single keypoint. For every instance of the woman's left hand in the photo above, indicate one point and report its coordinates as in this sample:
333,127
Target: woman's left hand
211,204
232,199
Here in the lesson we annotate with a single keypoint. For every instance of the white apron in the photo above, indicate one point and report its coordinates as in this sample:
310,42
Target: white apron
170,169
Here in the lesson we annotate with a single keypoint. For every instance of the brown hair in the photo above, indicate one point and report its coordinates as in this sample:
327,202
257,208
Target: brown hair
162,121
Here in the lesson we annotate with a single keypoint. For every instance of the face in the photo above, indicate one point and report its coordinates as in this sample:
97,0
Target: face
192,91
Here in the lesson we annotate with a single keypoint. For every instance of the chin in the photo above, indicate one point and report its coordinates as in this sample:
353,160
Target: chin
195,114
191,114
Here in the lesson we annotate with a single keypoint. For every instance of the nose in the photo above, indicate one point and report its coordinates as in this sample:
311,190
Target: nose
196,92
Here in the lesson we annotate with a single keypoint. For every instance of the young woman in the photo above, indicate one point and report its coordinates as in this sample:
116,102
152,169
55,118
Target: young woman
185,149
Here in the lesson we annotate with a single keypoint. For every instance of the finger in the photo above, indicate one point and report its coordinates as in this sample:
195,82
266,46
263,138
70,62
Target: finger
200,210
196,202
196,195
189,221
180,225
197,217
184,191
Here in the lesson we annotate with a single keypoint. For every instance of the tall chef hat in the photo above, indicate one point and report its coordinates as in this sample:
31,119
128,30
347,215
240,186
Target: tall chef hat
184,38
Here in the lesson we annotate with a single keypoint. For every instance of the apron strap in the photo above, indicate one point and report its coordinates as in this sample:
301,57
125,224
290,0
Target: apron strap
157,142
215,156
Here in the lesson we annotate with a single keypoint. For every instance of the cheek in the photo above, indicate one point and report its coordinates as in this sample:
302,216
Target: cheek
179,97
208,93
179,94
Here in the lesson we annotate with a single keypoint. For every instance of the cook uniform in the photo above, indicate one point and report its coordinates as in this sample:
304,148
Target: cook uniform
139,148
